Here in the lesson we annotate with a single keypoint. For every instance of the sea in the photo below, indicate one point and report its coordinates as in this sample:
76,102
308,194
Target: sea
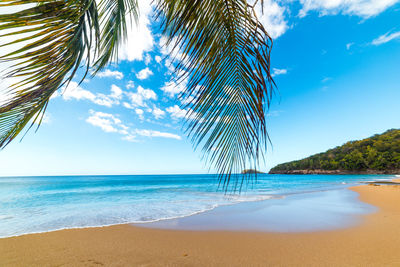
47,203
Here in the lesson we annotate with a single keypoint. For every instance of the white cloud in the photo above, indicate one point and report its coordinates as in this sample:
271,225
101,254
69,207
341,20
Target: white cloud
361,8
176,112
272,17
112,124
276,72
46,119
129,138
127,105
386,38
130,85
147,59
141,95
169,64
172,88
170,49
158,113
74,91
326,79
144,74
158,59
349,45
140,38
152,133
274,113
109,73
140,113
116,92
171,52
107,122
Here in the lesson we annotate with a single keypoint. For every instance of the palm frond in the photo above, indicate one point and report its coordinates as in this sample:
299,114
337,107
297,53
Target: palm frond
226,60
58,36
114,18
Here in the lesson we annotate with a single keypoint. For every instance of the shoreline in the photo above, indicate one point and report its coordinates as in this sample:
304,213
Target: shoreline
395,172
148,224
374,242
321,210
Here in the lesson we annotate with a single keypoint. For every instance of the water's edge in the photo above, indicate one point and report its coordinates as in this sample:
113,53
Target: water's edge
231,205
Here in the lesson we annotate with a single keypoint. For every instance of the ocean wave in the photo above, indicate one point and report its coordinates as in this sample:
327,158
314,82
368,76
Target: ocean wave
49,206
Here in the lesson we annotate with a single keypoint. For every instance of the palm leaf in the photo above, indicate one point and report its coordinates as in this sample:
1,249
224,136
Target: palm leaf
225,57
115,15
226,60
60,34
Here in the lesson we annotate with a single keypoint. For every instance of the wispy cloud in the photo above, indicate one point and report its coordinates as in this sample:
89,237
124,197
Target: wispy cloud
147,59
140,38
158,59
361,8
274,113
152,133
272,17
276,72
172,88
158,113
140,113
387,37
176,112
109,73
140,97
130,85
46,119
107,122
74,91
326,79
110,123
349,45
144,74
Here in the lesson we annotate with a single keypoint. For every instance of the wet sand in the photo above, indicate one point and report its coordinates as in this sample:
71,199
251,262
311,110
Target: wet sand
374,242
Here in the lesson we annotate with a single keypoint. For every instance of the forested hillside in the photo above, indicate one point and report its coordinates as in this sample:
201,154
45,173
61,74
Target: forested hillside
377,154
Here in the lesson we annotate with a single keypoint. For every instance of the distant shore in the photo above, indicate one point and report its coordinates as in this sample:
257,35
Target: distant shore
335,172
374,242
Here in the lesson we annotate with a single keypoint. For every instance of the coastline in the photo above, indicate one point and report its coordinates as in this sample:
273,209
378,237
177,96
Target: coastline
374,242
335,172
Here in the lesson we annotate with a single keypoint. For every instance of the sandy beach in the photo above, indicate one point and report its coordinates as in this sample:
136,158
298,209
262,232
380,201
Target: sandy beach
374,242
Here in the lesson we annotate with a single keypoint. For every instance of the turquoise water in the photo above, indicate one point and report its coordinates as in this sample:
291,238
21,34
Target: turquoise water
40,204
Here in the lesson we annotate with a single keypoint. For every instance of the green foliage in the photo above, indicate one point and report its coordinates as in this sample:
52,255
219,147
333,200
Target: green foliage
227,63
379,152
57,38
225,60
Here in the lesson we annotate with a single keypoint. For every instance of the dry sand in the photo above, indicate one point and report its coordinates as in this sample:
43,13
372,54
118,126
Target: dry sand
376,242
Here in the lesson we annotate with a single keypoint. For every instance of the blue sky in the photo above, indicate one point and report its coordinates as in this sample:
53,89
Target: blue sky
336,65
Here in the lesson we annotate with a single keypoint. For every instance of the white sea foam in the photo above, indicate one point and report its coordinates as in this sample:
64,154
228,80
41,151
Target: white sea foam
42,204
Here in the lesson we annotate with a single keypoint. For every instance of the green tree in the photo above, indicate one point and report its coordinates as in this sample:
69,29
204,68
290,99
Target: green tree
379,152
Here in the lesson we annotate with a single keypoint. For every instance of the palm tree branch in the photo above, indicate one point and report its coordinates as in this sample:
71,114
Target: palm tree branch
226,60
47,62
